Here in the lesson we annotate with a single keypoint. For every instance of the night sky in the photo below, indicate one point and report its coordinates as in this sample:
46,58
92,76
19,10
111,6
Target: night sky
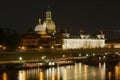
70,14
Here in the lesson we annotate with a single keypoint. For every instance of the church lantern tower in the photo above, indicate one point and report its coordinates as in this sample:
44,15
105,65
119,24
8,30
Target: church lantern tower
49,23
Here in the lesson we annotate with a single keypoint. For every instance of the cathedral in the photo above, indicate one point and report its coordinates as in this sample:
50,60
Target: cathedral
48,25
45,36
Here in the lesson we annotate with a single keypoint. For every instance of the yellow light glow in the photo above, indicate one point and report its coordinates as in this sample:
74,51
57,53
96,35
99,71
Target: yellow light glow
65,74
4,48
75,72
93,54
116,73
52,47
109,46
53,74
22,75
40,47
109,75
0,46
23,47
5,76
41,75
87,55
85,72
58,74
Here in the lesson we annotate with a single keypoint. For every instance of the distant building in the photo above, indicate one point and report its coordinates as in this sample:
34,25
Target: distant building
112,44
45,36
82,41
41,37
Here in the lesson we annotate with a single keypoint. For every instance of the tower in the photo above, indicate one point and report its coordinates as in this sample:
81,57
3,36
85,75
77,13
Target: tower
49,23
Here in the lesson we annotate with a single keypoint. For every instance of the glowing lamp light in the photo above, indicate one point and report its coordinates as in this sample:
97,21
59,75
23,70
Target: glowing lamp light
99,58
87,55
51,63
20,58
40,47
93,54
42,57
109,46
4,48
0,46
23,48
79,54
103,56
63,55
52,47
5,77
106,53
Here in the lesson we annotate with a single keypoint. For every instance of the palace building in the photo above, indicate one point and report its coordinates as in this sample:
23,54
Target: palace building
45,36
82,41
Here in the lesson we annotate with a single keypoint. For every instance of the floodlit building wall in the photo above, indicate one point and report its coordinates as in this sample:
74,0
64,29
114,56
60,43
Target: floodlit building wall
112,45
82,43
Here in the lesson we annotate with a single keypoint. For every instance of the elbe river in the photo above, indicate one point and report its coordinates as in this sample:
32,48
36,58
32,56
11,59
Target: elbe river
78,71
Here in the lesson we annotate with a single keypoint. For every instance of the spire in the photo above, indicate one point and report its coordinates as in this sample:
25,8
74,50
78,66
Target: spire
48,7
39,21
48,13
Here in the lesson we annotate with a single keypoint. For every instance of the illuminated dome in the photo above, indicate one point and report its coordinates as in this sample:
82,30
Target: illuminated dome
40,27
49,23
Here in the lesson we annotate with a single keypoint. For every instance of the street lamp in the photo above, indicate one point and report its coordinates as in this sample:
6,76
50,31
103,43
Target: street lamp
93,54
20,59
79,54
63,56
87,55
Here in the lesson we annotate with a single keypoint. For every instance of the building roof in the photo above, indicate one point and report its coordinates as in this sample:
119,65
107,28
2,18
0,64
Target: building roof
40,27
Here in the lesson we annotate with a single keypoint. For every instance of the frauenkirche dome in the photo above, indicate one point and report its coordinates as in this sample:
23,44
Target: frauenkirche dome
49,23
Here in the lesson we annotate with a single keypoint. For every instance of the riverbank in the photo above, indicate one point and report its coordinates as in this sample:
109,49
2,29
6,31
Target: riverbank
49,58
53,54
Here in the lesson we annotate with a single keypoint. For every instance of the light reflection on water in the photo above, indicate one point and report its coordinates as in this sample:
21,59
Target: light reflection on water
78,71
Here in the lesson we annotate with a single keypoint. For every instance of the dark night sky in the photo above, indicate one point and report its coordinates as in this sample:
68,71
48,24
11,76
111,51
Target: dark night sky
70,14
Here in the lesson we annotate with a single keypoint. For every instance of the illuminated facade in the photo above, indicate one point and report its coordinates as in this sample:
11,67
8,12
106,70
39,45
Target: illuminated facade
83,43
35,40
112,45
49,24
45,36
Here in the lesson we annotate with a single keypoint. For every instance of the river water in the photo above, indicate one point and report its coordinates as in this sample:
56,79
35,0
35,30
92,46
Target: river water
78,71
